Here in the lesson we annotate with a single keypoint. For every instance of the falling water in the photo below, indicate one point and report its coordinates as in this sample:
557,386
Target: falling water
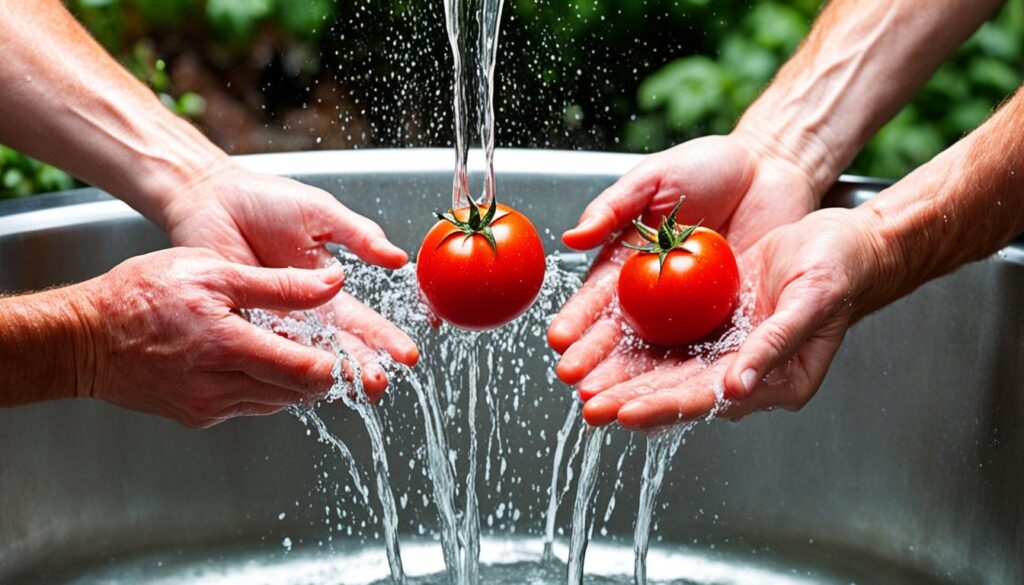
473,64
471,516
308,328
582,510
661,448
553,493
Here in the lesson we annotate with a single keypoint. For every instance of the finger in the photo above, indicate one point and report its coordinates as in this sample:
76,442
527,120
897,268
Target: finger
373,329
275,360
285,289
793,384
246,409
591,349
374,380
362,235
614,208
680,394
232,387
580,312
607,406
619,367
797,316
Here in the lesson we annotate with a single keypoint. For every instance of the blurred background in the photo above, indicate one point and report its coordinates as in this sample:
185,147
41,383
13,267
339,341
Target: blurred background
619,75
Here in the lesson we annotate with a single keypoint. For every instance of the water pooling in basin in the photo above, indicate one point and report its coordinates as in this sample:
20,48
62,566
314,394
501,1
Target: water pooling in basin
508,561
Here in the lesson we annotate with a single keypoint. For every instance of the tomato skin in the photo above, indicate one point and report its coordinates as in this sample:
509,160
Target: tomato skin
465,283
692,295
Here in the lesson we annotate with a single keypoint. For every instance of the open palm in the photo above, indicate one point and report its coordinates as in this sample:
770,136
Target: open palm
811,280
265,220
727,185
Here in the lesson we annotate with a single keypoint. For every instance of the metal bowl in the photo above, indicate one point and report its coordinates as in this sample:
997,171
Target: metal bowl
910,457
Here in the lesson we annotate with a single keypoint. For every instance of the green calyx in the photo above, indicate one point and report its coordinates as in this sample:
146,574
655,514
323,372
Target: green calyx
669,235
476,224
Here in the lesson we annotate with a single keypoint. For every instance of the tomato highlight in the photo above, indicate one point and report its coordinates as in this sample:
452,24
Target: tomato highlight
680,285
478,271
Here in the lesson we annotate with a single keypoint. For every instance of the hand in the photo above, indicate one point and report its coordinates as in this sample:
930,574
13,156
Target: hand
729,182
265,220
813,279
167,338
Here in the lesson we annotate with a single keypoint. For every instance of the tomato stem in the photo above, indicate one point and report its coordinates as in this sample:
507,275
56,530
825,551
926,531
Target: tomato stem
475,224
666,238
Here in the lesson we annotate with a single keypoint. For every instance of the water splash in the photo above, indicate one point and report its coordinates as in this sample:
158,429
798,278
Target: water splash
465,386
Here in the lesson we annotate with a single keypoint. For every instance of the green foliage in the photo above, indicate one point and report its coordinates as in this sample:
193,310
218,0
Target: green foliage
21,176
636,75
697,95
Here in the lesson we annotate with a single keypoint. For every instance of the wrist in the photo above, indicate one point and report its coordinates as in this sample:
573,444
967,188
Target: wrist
84,337
881,263
794,145
47,346
180,160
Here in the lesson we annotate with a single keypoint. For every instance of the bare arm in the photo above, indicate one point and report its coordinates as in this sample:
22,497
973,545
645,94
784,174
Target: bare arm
162,334
861,62
67,102
43,347
817,277
964,205
859,65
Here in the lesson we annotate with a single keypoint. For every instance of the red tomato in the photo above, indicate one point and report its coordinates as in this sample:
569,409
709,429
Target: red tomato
684,298
473,284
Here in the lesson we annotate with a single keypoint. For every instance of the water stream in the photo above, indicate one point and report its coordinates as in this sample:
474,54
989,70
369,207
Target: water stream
583,508
661,448
473,29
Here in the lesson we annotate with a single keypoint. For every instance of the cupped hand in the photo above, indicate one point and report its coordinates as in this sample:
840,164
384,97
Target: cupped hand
266,220
168,339
730,185
812,280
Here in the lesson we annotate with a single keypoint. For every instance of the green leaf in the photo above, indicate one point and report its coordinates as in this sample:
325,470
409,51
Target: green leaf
998,42
237,19
995,74
777,26
490,238
645,232
489,216
191,105
306,19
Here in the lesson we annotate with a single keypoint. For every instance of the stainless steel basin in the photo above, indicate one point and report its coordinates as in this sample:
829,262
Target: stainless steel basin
911,455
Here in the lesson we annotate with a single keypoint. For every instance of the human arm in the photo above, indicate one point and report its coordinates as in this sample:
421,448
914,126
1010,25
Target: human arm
858,66
817,277
161,334
64,100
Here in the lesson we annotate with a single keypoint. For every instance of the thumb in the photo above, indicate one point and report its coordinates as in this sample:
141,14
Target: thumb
613,209
284,289
796,318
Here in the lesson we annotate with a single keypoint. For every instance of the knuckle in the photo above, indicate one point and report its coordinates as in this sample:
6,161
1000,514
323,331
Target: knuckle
774,338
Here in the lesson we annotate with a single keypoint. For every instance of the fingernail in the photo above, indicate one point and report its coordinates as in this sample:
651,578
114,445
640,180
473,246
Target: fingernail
748,377
332,274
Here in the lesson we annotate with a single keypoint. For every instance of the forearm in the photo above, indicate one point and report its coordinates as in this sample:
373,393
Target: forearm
859,65
67,102
962,206
46,351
